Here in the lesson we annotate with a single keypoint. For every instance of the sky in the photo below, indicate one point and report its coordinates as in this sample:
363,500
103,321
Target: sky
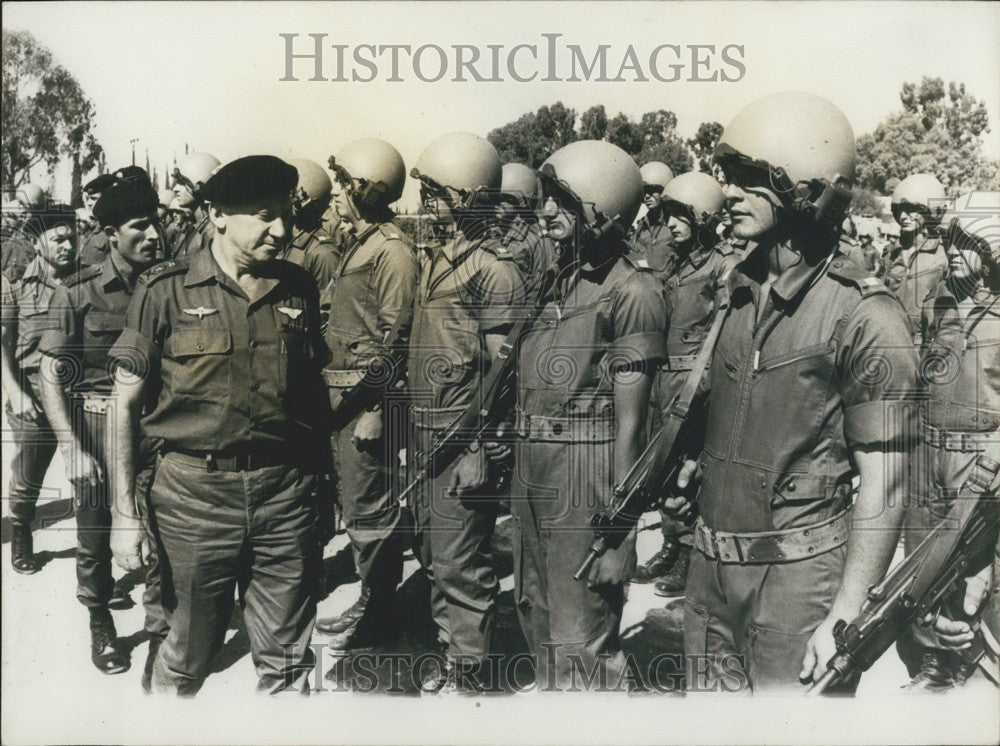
208,74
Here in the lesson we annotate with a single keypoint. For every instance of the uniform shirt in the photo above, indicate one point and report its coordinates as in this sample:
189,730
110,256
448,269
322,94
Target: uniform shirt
317,253
793,393
694,291
532,252
372,289
94,247
27,313
16,252
655,243
193,237
88,314
466,289
226,373
914,273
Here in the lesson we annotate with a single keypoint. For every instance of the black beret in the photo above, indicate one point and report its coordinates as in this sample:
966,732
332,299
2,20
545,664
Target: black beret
249,181
130,196
52,216
99,184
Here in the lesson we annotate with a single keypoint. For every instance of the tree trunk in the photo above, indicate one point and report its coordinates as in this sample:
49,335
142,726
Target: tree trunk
76,188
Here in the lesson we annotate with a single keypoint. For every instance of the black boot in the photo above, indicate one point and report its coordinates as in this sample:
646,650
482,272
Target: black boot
120,600
936,673
104,651
659,564
147,672
676,580
336,625
22,554
378,624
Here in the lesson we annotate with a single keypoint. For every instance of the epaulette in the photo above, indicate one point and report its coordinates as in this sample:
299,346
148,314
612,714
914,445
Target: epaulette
640,263
849,272
500,252
163,269
83,275
390,231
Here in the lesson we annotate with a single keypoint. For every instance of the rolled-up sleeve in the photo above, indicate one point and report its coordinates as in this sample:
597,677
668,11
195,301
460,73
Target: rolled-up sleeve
140,345
877,368
639,319
65,327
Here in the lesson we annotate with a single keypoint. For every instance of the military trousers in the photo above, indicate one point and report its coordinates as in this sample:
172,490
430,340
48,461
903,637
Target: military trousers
34,446
571,629
254,529
152,597
370,515
452,541
746,626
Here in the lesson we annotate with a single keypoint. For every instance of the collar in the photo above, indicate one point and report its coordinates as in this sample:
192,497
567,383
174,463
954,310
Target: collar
111,275
35,272
201,267
697,257
789,284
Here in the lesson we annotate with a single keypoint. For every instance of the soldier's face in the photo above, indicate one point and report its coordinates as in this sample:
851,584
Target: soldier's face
963,263
651,197
57,247
910,220
255,234
558,224
137,240
754,210
680,229
89,200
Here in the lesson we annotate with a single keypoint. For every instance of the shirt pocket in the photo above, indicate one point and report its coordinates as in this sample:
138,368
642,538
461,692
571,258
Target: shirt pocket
203,360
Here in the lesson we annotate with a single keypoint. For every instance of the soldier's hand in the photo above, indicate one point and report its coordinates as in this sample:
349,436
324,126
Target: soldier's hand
615,566
128,543
497,451
368,430
471,473
819,650
81,466
689,475
24,407
958,635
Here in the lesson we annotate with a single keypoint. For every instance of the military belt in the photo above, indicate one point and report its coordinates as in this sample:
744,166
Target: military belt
772,547
957,440
430,418
343,379
679,362
565,429
234,461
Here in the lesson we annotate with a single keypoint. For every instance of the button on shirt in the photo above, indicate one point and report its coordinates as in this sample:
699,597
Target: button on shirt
227,373
27,313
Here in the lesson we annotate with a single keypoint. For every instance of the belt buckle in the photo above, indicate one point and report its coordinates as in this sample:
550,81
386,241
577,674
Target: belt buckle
524,425
764,550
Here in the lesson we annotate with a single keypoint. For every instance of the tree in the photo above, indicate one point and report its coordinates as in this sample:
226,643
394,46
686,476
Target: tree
938,131
626,134
594,123
46,115
703,144
865,202
535,136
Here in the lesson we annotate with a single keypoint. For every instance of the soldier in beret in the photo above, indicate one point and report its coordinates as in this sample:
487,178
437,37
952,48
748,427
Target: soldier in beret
86,315
224,348
94,244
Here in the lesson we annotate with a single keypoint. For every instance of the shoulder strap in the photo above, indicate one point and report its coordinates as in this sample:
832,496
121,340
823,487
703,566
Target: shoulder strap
163,269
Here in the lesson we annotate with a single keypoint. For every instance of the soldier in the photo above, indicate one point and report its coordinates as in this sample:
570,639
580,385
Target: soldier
17,243
650,236
692,204
227,347
917,264
373,293
811,354
94,245
961,364
181,213
24,321
467,294
164,215
189,176
311,246
519,230
585,371
88,313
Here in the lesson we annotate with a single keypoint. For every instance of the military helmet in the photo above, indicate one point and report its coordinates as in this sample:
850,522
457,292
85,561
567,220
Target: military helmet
165,197
519,180
460,160
600,177
377,165
699,193
656,174
973,221
921,191
798,143
31,197
314,184
195,169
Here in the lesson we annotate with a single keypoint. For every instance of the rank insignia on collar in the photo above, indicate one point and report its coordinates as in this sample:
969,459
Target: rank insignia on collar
292,313
201,312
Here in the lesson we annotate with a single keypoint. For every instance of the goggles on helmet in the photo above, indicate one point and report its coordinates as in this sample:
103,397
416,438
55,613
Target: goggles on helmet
898,208
364,192
957,236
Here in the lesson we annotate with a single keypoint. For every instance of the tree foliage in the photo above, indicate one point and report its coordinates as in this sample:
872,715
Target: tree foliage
703,144
535,136
938,131
46,114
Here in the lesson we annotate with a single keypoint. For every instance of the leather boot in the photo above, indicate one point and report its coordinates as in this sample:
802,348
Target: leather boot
22,553
675,582
336,625
936,673
659,564
377,625
107,656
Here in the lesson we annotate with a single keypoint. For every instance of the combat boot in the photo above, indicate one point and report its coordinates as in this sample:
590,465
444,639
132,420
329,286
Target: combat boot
378,624
107,656
338,624
936,673
659,564
22,554
675,582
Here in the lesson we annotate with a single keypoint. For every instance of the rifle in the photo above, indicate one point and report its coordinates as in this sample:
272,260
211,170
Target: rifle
958,547
634,494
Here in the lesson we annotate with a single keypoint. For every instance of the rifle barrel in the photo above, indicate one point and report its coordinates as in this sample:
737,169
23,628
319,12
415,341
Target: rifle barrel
824,682
584,568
